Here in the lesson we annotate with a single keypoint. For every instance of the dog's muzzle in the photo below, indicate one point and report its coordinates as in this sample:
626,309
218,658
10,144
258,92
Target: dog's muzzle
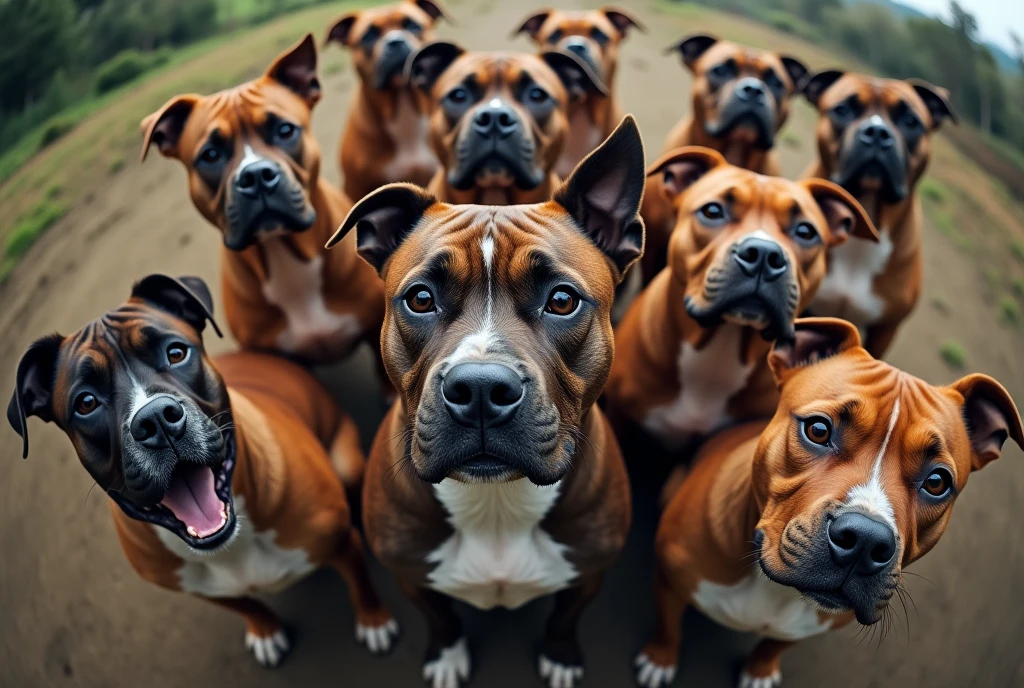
873,158
394,51
751,105
262,198
495,148
581,48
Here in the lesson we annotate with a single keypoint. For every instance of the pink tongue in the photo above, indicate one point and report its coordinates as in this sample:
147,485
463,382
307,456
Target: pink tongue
193,501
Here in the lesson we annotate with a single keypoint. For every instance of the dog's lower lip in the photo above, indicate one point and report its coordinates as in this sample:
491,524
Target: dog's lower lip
829,599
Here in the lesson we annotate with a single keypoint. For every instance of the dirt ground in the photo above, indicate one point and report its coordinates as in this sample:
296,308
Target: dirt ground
73,613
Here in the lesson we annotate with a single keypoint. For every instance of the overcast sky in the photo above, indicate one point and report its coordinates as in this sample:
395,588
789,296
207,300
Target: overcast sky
995,17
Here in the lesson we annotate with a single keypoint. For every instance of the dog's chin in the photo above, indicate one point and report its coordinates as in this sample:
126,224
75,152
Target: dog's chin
745,128
874,177
269,224
771,321
494,171
485,469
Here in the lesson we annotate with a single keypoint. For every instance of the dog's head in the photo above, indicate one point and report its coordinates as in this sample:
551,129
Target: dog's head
499,119
740,94
497,332
146,411
382,38
750,249
249,151
873,134
857,474
593,35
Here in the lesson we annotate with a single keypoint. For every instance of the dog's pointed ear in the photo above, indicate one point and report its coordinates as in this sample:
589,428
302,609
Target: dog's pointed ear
845,215
681,167
797,71
341,29
692,47
991,418
622,20
531,25
426,65
164,126
33,387
813,340
575,74
816,85
186,297
603,195
431,7
936,99
295,69
383,219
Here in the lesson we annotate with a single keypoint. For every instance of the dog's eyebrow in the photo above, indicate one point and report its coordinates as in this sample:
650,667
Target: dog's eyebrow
437,269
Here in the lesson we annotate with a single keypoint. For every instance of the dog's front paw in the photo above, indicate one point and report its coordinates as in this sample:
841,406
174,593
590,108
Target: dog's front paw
378,638
774,680
269,650
450,668
558,675
651,674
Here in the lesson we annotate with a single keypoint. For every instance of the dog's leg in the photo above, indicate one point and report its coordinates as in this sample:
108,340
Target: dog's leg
878,338
375,627
561,659
265,637
656,664
762,668
347,457
447,664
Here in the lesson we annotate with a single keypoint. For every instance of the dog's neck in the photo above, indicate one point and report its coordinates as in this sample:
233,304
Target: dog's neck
383,104
887,217
737,153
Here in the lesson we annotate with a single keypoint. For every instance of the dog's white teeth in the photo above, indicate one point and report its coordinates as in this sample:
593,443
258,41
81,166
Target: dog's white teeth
192,531
223,515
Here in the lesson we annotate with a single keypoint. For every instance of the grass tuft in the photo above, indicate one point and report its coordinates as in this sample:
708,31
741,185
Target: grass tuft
28,230
954,354
933,190
1009,311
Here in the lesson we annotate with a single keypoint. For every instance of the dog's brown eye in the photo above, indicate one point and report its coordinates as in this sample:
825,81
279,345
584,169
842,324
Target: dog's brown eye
85,404
938,482
805,232
176,353
537,95
563,301
210,155
818,430
712,214
419,300
458,95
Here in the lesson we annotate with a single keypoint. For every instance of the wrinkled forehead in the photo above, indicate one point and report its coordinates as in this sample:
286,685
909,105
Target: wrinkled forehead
874,94
746,59
242,112
745,191
577,22
389,17
492,72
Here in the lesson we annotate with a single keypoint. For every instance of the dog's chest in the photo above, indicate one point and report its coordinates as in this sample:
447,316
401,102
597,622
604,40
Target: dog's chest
296,287
848,290
413,159
584,137
708,378
251,563
498,555
756,604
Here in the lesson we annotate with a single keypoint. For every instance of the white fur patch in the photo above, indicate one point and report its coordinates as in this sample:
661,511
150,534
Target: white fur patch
557,675
269,650
774,680
651,675
378,639
708,378
848,288
498,556
478,343
410,132
870,497
450,668
248,158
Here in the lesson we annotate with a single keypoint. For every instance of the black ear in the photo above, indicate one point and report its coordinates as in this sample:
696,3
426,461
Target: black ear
815,86
603,194
434,9
531,25
796,70
936,99
577,76
622,19
991,418
341,28
812,340
187,298
164,126
845,215
426,65
33,390
383,219
295,69
681,167
692,47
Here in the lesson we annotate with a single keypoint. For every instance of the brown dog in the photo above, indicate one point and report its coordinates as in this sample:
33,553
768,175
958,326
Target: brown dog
594,35
219,472
495,479
854,479
740,101
254,172
385,135
873,139
499,121
746,256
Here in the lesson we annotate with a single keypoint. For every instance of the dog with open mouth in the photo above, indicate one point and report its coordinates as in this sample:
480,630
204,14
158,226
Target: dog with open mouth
385,135
873,139
254,172
495,479
746,256
499,121
594,35
800,525
226,477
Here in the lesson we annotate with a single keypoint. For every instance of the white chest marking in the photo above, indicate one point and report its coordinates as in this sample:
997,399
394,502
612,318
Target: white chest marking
870,497
584,137
759,605
409,130
251,563
296,287
848,288
498,554
708,379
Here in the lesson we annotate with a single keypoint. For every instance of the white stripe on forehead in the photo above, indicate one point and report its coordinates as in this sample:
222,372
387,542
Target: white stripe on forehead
480,341
870,497
249,157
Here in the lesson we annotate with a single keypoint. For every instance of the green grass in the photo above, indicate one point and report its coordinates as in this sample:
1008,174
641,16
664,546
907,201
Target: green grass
1009,311
993,278
1017,249
789,139
954,354
940,304
28,229
1018,286
933,190
943,220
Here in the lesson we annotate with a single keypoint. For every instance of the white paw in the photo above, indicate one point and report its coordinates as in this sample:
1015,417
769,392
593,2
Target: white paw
378,639
773,681
451,667
268,650
651,675
559,675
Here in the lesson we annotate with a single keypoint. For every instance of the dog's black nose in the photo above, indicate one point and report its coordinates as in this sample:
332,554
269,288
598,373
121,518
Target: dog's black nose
761,257
875,132
395,43
158,422
496,119
482,394
751,89
861,543
577,45
258,178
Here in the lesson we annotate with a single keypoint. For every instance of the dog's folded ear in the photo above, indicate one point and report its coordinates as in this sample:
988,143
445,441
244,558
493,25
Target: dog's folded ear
341,29
797,71
816,85
936,99
295,69
164,126
603,195
622,20
681,167
186,297
531,25
990,415
33,390
425,66
383,219
432,8
813,340
574,72
844,214
692,47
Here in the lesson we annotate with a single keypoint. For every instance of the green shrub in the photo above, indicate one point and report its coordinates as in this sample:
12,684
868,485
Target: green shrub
1018,286
933,190
125,67
1009,311
31,226
1017,248
953,354
55,128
